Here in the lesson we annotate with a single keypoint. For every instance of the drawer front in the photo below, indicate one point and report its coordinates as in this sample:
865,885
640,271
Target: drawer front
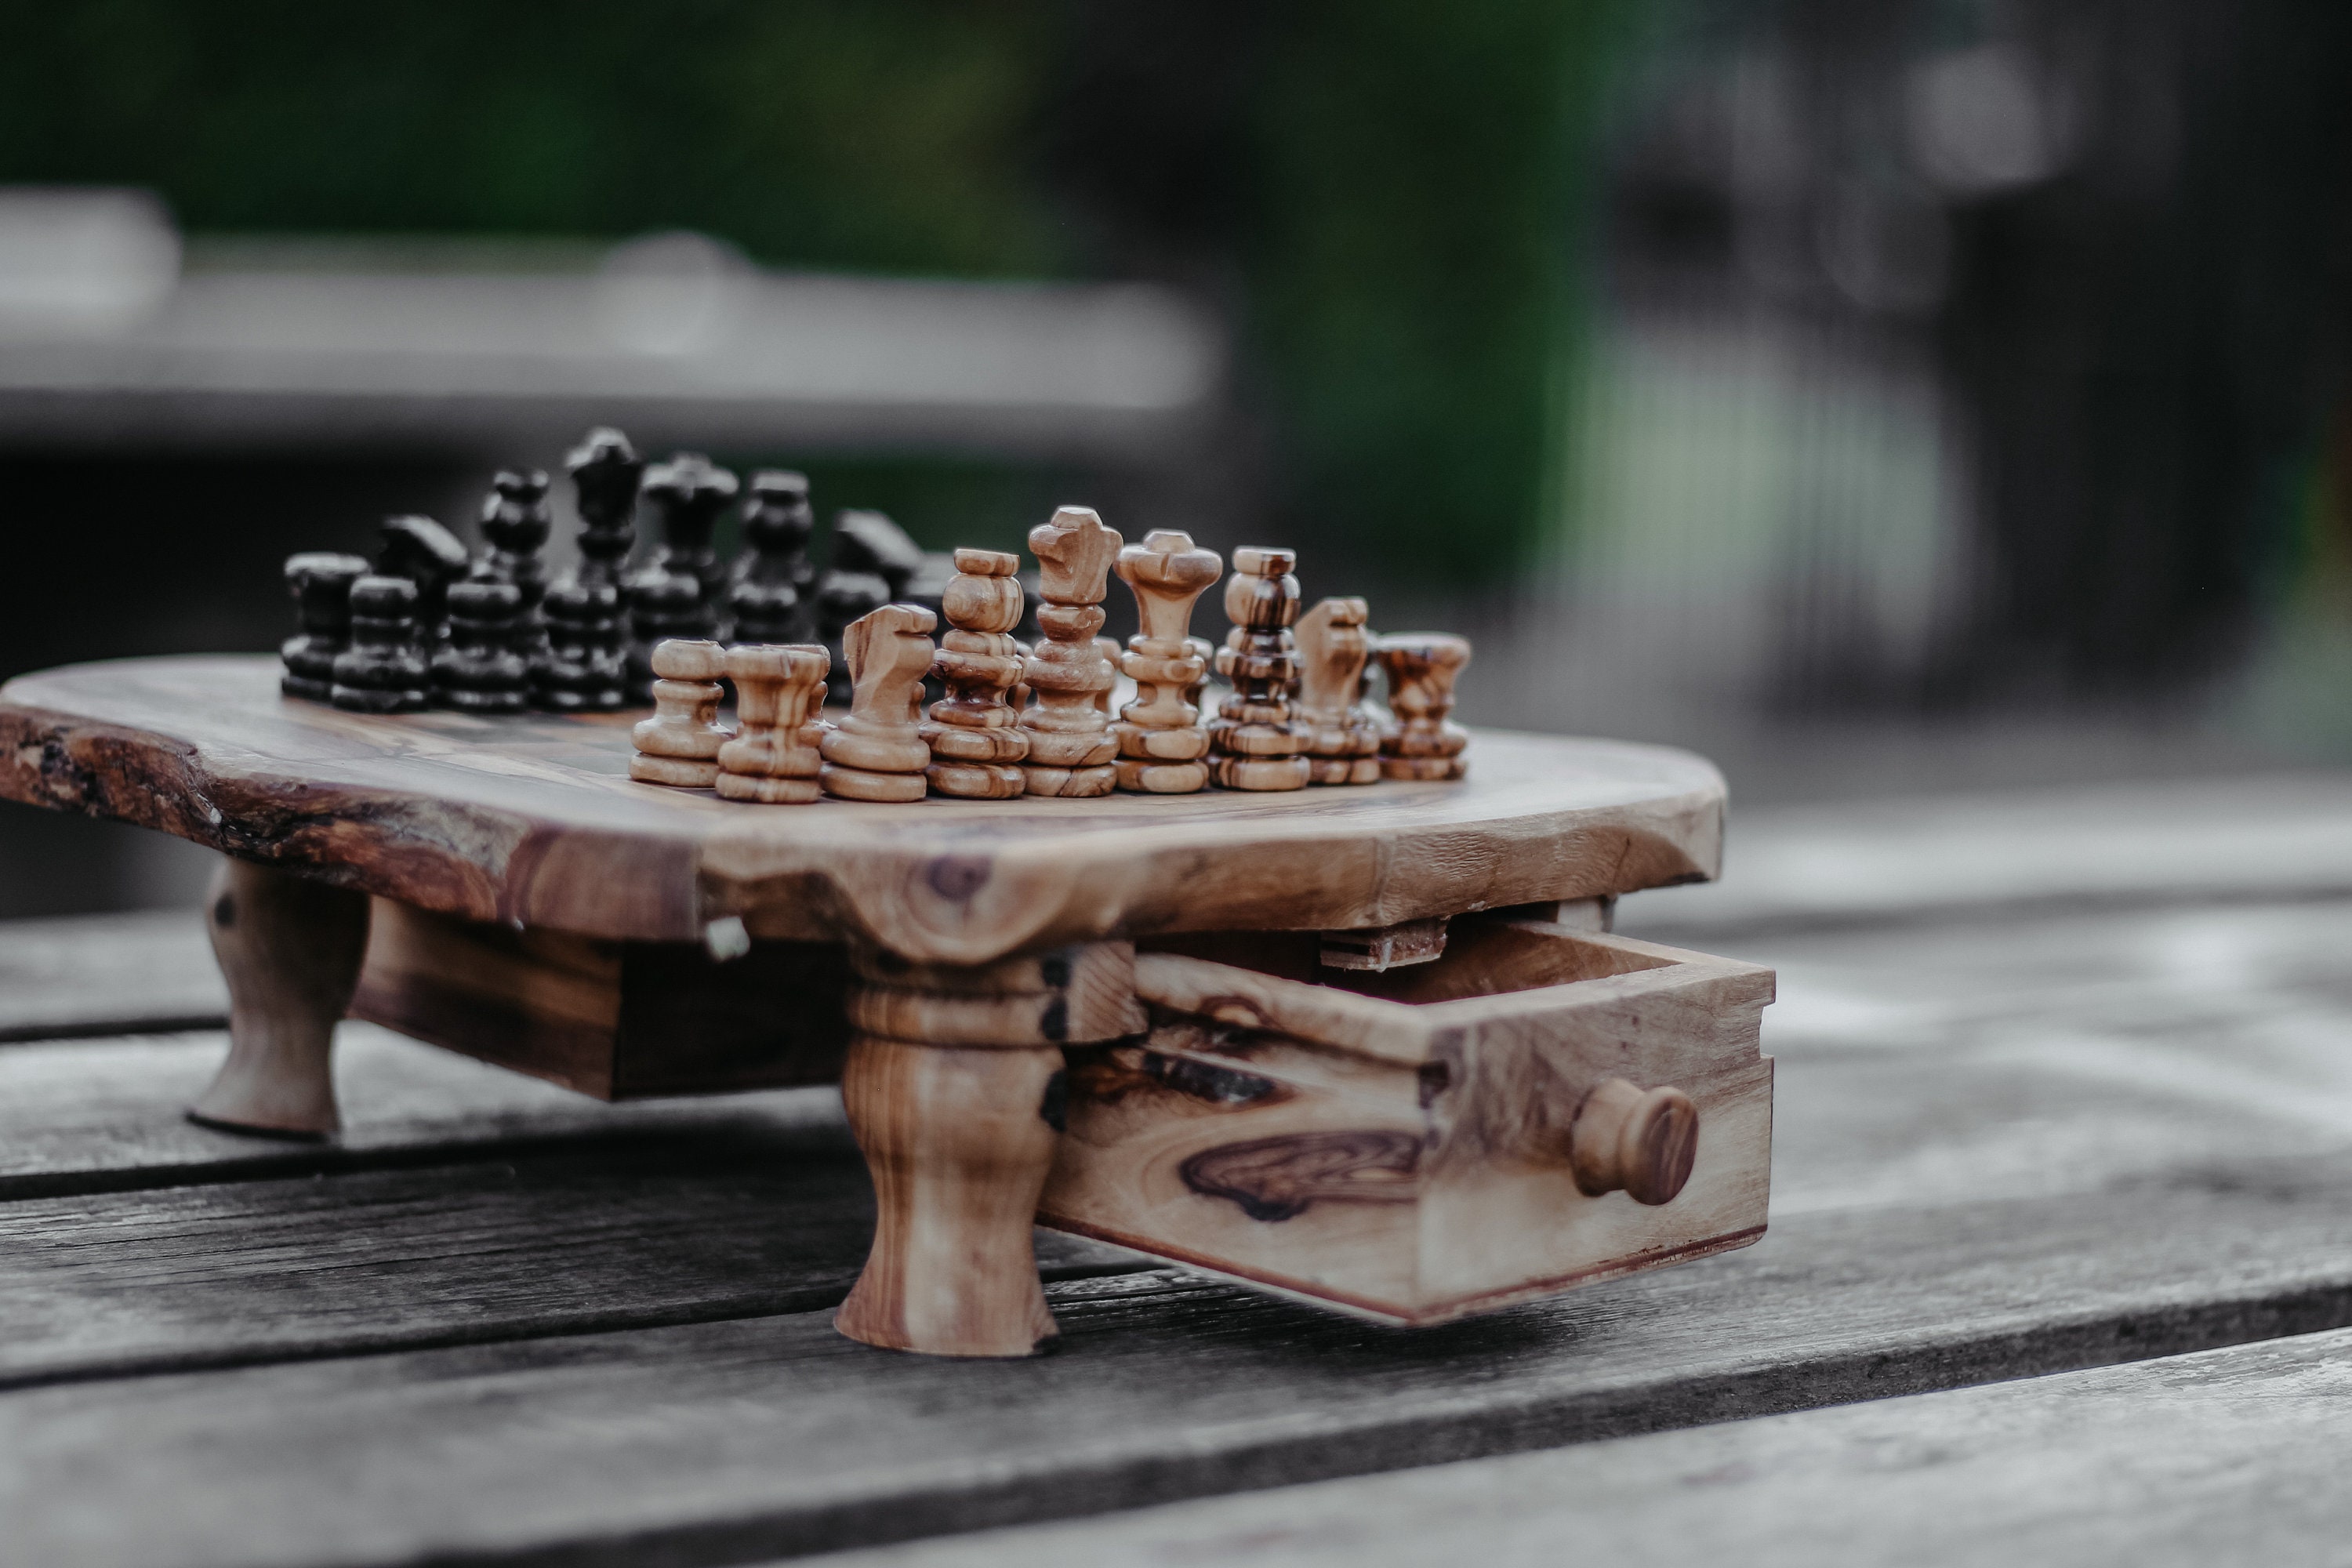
1539,1109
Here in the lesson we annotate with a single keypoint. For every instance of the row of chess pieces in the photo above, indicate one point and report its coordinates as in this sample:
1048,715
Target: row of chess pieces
1036,720
428,624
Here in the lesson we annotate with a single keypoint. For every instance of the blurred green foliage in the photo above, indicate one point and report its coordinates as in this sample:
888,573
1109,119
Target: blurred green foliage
1383,193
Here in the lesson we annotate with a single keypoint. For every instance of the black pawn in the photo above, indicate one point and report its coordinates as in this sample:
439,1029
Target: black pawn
870,541
841,598
669,606
586,666
381,671
606,474
516,523
687,493
773,600
322,585
481,671
428,555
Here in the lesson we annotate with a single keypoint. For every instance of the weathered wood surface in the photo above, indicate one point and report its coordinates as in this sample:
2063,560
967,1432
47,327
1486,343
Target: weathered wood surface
109,974
681,1228
720,1441
546,828
2009,1142
2227,1456
104,1115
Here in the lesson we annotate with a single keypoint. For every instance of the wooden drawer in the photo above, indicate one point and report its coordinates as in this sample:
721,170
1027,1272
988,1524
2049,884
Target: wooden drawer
618,1020
1431,1141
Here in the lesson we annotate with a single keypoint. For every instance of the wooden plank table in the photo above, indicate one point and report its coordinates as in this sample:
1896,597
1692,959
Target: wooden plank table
2103,1146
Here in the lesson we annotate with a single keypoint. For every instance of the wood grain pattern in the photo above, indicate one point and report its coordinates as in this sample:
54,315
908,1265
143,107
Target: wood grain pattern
1438,1150
290,950
956,1097
2231,1454
617,1020
102,1115
746,1439
543,828
109,974
957,1142
696,1224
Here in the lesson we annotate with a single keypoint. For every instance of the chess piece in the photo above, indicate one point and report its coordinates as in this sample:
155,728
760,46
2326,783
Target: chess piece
769,600
689,492
975,736
1205,651
1253,742
773,758
1161,742
663,607
870,541
516,523
428,555
585,666
322,585
480,670
878,753
679,744
1421,743
1070,742
383,671
1343,739
606,474
842,597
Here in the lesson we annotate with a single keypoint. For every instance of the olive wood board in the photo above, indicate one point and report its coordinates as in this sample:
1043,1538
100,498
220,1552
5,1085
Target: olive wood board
2234,1454
533,820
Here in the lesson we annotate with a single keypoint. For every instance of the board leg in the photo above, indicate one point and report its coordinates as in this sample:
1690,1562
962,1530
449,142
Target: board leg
953,1087
290,950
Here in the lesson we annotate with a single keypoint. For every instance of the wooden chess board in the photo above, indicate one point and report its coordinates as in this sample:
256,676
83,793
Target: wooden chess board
533,820
1527,1106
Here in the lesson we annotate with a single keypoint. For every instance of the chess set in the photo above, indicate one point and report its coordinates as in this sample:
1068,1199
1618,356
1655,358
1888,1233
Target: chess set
427,625
1274,986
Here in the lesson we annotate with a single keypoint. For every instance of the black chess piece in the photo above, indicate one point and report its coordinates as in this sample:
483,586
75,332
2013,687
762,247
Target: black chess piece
606,474
841,598
481,671
689,492
772,599
668,605
428,555
516,523
322,585
586,666
870,541
383,670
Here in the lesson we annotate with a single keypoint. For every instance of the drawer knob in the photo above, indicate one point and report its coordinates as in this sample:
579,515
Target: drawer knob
1642,1139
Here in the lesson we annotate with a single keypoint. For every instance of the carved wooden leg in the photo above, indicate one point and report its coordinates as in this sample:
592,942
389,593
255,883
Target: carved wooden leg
290,950
953,1089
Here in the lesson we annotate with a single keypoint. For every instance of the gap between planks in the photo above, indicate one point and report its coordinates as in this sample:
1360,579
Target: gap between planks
737,1439
2223,1456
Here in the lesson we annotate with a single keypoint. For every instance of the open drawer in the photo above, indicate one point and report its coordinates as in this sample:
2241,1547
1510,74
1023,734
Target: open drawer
1538,1109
